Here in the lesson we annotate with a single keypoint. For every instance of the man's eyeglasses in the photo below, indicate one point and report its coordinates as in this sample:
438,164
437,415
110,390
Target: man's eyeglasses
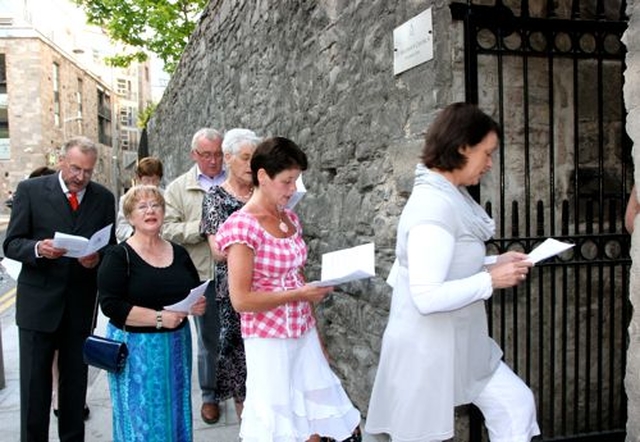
154,207
209,155
75,170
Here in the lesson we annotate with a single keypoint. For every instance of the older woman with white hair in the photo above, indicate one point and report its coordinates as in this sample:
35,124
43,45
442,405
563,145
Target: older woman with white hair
218,204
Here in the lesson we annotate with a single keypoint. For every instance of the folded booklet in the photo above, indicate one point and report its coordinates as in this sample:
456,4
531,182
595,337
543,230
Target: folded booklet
347,265
79,246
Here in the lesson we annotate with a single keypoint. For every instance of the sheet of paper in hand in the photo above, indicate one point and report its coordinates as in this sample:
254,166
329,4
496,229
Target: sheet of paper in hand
550,247
79,246
347,265
193,296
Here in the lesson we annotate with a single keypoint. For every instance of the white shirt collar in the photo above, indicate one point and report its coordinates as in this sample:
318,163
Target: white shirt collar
65,189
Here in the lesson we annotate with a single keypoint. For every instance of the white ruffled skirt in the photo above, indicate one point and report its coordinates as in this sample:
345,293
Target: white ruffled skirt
292,393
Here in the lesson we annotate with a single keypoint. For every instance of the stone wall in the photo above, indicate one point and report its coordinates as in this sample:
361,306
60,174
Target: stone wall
321,73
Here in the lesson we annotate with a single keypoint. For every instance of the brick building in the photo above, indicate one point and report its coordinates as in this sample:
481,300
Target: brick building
45,98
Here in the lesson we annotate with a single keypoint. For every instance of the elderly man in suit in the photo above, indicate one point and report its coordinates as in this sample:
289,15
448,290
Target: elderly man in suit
56,294
184,197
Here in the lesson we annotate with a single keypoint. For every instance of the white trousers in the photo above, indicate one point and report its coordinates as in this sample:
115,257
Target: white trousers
508,407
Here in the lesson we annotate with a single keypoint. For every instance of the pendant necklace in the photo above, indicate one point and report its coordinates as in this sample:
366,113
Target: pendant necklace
284,228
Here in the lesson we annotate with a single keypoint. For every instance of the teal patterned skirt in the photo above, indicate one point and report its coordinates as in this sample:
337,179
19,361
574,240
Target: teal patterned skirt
151,397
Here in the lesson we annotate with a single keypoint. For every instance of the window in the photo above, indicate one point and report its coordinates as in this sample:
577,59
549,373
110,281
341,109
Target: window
126,116
56,94
124,87
104,117
124,140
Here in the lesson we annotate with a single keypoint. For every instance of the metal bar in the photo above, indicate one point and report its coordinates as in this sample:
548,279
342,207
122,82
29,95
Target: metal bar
564,393
527,144
576,358
551,10
600,10
515,225
565,327
552,349
612,344
576,227
575,10
552,159
541,340
588,329
502,170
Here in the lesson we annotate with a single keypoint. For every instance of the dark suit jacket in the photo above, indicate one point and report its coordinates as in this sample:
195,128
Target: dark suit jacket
46,287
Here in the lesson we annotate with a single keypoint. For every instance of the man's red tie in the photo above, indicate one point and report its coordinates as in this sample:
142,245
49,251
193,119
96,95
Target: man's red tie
73,200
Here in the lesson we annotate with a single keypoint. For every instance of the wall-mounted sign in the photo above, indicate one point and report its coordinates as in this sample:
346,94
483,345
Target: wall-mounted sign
413,42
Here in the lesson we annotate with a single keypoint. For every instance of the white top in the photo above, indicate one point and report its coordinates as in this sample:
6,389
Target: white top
123,229
436,351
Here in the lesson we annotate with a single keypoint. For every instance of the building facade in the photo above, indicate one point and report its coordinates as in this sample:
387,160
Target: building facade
57,85
47,98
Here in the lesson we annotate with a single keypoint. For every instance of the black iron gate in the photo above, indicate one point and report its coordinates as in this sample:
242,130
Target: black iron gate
551,72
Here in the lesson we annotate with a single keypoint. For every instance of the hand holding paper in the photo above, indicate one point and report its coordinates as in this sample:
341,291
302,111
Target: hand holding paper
550,247
79,246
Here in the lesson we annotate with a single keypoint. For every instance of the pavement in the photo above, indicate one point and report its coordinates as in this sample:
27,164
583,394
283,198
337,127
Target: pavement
98,426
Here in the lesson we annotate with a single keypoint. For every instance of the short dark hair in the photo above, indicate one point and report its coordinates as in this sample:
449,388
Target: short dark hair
41,171
149,166
275,155
456,126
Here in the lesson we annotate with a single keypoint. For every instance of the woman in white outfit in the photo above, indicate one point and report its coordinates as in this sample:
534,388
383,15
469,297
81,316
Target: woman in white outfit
436,351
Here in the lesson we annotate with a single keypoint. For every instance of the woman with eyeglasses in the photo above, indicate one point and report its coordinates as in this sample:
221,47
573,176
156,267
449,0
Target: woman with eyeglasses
151,396
148,171
218,204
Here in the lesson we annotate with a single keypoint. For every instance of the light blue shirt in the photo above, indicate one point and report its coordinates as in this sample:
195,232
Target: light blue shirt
206,182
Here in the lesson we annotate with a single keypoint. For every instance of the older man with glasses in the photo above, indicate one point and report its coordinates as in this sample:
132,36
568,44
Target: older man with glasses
56,294
182,225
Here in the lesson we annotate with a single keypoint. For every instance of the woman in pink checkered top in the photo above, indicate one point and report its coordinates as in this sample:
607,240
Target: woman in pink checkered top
292,394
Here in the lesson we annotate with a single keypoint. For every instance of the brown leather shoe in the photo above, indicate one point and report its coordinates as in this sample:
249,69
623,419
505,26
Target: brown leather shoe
210,413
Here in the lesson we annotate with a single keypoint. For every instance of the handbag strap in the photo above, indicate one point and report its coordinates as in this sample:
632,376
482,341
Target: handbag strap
95,304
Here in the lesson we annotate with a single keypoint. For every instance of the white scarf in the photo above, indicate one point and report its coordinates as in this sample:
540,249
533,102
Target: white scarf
473,215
